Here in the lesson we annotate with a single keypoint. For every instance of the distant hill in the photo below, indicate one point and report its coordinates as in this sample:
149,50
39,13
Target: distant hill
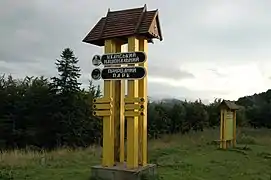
255,99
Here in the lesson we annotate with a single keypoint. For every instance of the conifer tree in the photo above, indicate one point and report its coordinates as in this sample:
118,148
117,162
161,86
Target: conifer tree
68,72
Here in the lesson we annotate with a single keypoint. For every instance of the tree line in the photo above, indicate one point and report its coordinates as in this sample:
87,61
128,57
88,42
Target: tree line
55,112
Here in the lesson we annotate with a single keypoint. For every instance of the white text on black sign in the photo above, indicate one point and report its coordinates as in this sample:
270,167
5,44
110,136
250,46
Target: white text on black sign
121,58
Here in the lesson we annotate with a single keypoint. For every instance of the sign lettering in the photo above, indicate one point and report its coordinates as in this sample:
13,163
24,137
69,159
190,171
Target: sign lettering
116,73
123,58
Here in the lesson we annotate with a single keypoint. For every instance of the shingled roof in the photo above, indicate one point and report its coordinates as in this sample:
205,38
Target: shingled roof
124,23
229,104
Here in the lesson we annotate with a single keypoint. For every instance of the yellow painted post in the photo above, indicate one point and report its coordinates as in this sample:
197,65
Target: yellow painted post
115,95
119,91
224,146
122,121
122,118
132,122
234,128
108,125
221,128
142,120
231,141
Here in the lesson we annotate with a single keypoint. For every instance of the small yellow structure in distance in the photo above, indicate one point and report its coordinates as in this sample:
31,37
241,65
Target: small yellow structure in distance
227,124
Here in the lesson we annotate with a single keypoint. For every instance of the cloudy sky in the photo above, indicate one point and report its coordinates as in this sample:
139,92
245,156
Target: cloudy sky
211,48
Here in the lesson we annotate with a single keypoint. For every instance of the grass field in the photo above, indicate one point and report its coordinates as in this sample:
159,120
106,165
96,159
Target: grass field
188,157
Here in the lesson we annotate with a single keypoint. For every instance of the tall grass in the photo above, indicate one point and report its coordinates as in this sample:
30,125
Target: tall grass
188,151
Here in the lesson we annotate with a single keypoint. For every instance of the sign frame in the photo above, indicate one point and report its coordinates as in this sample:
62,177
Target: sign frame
113,79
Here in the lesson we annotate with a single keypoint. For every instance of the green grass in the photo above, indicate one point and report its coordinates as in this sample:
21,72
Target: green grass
190,157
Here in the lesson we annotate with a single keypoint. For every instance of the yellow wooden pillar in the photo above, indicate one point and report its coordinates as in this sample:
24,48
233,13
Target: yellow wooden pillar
122,118
116,105
122,122
132,122
234,128
221,128
108,121
142,121
119,93
224,129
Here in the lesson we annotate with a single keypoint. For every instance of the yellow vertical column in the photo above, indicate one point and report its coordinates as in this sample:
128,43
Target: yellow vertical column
224,129
132,122
234,128
108,125
122,118
221,128
142,121
115,120
119,90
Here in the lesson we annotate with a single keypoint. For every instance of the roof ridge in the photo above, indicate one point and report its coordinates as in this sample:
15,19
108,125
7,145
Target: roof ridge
104,23
128,9
140,18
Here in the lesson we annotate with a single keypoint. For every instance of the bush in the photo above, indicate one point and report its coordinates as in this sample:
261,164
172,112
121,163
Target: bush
245,139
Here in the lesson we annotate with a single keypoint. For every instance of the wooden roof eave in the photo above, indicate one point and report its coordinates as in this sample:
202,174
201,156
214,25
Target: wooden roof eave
156,17
159,27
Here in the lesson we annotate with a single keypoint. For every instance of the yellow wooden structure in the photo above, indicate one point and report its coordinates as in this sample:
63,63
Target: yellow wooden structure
227,124
140,27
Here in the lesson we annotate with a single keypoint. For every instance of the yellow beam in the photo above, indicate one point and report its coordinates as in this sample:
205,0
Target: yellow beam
133,113
134,106
108,121
103,99
132,100
132,122
102,113
102,106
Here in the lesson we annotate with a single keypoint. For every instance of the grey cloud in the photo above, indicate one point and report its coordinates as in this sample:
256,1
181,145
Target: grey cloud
22,69
216,72
37,31
159,91
168,72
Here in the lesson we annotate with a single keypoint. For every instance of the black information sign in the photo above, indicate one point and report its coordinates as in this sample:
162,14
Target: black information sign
96,74
130,73
123,58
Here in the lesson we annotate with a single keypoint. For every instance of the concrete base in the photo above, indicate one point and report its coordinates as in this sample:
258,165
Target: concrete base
120,172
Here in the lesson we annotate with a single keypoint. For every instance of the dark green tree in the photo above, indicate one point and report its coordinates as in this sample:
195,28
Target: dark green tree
66,89
68,72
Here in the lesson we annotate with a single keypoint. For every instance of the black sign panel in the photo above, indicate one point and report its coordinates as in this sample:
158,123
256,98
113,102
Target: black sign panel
123,58
117,73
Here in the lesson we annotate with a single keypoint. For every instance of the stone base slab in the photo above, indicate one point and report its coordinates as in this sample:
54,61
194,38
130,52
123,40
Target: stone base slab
120,172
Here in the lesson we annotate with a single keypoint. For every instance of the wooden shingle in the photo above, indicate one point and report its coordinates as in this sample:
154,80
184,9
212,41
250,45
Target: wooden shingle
124,23
228,104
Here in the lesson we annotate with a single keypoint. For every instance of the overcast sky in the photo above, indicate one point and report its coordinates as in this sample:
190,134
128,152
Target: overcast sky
211,48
